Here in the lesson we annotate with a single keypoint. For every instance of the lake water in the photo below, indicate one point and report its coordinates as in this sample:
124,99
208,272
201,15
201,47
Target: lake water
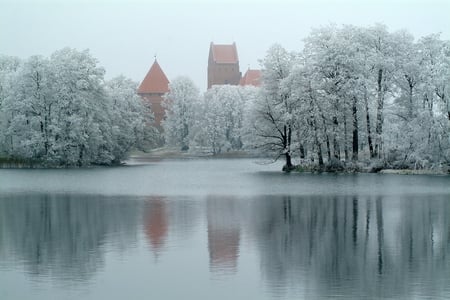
222,229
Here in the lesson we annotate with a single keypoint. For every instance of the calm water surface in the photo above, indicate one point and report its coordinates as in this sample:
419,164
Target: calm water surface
222,229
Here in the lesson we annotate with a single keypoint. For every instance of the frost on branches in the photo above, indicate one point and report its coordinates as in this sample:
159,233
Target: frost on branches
59,111
356,96
211,123
180,104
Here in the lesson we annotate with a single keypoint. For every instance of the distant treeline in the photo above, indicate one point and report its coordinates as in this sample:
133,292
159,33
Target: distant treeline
352,97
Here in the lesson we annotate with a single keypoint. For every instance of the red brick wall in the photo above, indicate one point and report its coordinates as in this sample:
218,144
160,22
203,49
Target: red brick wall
223,74
155,101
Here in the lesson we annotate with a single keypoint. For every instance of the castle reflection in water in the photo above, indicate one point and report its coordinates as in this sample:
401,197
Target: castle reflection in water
363,243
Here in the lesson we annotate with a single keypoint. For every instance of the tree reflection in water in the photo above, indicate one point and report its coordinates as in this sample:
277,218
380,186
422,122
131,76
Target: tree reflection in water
318,246
63,236
329,243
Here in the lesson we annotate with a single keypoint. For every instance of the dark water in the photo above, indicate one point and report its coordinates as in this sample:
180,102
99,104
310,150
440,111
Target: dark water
222,229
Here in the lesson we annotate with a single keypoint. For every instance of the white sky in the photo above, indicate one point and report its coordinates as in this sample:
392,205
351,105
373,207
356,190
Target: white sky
125,35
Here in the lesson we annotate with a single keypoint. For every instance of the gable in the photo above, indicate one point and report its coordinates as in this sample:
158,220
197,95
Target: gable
155,82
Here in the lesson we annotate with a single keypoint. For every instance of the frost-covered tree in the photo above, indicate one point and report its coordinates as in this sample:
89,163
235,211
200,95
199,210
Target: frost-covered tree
357,93
331,60
8,67
82,108
273,111
310,120
435,98
28,106
59,112
382,54
402,115
180,104
131,128
219,125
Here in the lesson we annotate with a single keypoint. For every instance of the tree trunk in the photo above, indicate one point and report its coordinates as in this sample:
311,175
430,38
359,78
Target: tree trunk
302,151
345,139
336,148
81,155
355,141
380,104
301,146
319,147
327,138
288,166
319,153
411,109
328,147
369,133
287,148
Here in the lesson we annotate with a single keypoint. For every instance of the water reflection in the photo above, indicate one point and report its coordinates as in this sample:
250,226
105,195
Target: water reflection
380,247
313,247
64,236
156,223
224,233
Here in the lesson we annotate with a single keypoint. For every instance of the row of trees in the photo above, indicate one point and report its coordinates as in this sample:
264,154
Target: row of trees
357,92
59,111
212,123
352,94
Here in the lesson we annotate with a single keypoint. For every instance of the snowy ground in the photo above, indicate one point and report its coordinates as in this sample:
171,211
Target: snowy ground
414,172
169,153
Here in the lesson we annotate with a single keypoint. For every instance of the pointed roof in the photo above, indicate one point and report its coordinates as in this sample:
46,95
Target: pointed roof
155,81
225,54
251,77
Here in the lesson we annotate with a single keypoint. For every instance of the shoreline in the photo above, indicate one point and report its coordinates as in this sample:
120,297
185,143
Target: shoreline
159,154
168,153
413,172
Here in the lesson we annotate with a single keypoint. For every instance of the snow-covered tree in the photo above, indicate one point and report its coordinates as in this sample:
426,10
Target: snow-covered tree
57,111
273,112
357,92
435,94
180,104
131,128
219,124
8,67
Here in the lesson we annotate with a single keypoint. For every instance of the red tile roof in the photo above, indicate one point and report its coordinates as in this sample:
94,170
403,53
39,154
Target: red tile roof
251,77
225,54
155,81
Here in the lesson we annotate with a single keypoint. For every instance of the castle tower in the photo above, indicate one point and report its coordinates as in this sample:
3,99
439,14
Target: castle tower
223,65
152,89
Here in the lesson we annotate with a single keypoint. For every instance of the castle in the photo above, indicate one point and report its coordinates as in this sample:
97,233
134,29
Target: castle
152,89
223,68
